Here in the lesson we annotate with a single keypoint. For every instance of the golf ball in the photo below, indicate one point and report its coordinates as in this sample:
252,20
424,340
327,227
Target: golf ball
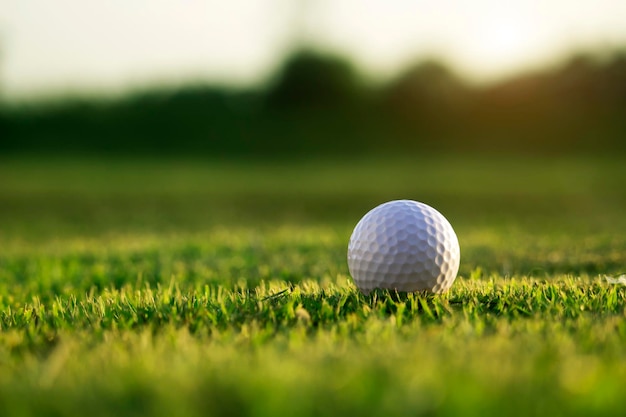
403,245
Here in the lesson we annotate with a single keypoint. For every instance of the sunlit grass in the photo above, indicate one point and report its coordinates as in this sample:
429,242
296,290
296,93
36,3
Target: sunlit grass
161,312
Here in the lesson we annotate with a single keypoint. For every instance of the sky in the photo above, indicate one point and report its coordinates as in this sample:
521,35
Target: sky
69,46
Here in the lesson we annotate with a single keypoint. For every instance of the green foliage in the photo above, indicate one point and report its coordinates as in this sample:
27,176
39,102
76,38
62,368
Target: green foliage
309,80
317,105
201,288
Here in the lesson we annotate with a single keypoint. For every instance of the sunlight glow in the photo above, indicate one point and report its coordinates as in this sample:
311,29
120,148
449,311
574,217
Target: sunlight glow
503,44
70,45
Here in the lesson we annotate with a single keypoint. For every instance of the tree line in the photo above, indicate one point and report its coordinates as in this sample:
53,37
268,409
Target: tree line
317,104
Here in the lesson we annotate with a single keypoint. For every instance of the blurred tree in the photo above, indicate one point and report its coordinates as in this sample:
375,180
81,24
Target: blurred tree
311,80
316,104
428,82
424,103
425,89
615,76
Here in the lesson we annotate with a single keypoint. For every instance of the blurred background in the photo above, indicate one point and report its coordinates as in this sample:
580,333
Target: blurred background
169,117
134,123
278,78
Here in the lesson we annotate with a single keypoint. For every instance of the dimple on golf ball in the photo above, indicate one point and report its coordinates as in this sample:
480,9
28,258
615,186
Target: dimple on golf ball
403,245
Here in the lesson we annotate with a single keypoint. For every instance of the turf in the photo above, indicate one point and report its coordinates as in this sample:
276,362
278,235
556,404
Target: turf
160,288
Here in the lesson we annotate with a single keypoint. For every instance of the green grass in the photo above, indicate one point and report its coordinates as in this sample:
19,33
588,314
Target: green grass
156,288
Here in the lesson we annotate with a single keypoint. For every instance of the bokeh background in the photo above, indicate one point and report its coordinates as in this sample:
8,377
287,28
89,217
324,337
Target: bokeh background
183,117
275,78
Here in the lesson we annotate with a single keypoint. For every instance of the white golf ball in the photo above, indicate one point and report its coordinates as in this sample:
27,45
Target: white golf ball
403,245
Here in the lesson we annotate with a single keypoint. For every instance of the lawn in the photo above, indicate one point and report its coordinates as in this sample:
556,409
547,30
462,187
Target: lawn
208,287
